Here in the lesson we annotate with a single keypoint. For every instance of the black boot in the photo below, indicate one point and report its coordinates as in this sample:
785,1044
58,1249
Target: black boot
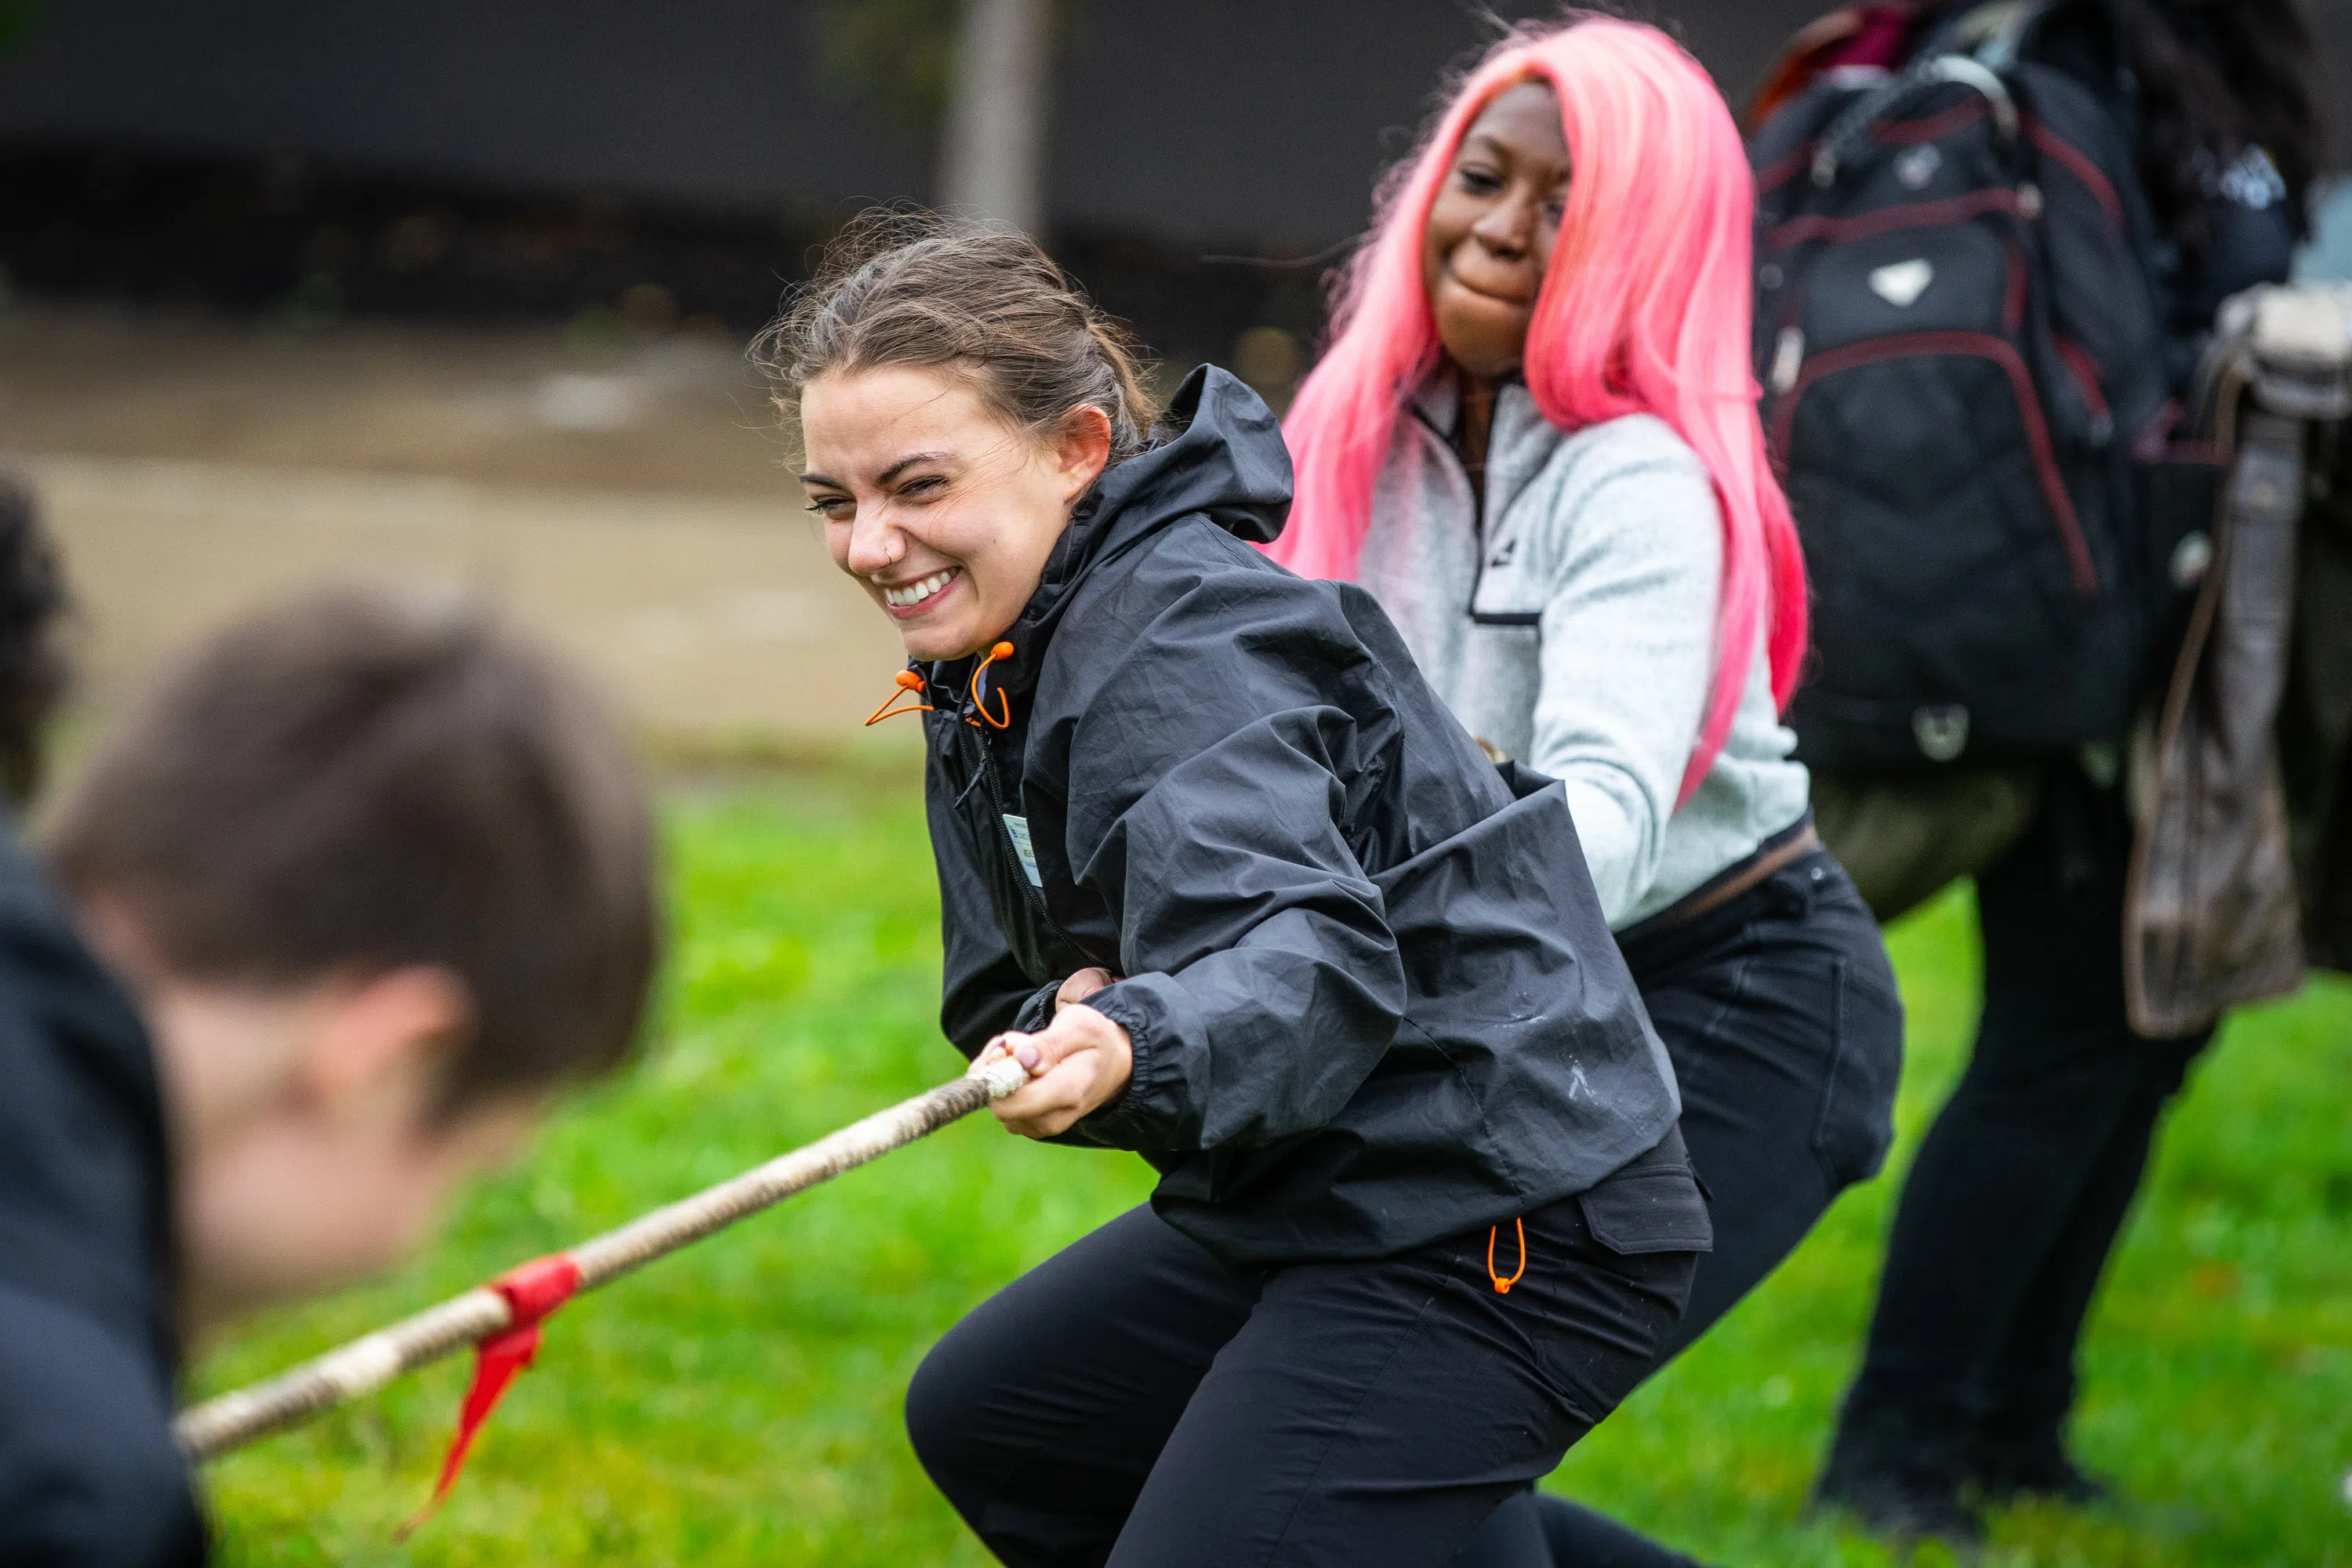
2016,1466
1901,1477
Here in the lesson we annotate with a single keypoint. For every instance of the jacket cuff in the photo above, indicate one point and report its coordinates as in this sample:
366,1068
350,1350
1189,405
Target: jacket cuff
1143,1111
1037,1011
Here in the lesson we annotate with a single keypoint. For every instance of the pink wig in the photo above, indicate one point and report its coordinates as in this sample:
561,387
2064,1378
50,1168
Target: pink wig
1644,309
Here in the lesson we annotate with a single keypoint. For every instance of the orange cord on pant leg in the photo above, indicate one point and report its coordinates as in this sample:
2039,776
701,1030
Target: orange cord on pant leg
1502,1286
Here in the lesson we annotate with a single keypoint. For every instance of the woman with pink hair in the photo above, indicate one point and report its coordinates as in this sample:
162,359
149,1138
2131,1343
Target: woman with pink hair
1533,437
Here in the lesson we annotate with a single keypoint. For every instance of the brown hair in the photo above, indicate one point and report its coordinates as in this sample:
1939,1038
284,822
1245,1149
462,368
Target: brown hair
914,288
32,670
353,780
2247,76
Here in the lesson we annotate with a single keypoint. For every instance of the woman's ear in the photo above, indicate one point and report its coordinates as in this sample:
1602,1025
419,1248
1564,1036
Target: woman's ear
1081,449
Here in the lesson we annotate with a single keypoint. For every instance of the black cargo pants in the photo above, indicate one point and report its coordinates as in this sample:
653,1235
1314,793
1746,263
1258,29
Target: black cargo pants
1134,1401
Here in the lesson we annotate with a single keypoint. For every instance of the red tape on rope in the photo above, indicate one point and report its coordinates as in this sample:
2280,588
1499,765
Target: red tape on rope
532,1292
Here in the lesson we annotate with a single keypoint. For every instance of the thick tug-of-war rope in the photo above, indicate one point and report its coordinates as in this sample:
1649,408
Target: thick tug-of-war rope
502,1317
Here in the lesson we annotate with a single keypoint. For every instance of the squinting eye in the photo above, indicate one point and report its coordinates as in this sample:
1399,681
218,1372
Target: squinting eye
836,508
1554,211
1480,181
916,490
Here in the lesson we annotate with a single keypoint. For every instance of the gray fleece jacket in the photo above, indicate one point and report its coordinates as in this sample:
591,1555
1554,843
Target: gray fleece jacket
1572,627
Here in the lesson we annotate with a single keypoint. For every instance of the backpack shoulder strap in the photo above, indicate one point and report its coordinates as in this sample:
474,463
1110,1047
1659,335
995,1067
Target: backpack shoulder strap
2007,28
2089,33
1799,61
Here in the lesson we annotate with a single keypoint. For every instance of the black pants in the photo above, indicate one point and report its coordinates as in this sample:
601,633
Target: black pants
2023,1183
1134,1401
1780,1013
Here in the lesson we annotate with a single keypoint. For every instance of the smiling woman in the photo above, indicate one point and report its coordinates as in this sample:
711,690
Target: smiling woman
1218,870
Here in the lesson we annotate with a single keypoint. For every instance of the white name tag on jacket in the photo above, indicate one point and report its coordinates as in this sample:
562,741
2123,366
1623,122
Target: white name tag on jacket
1017,830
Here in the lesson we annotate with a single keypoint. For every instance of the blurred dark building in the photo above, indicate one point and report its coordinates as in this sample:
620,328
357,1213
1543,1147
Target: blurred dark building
630,160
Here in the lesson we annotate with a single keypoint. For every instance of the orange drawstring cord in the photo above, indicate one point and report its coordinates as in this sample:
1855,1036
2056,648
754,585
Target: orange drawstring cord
1003,703
906,681
1502,1286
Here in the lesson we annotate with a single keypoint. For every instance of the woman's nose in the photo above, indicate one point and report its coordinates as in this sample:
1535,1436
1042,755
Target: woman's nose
873,544
1507,228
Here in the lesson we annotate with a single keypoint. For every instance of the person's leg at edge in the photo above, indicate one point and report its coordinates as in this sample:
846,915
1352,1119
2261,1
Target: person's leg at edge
1786,1032
2012,1160
2021,1447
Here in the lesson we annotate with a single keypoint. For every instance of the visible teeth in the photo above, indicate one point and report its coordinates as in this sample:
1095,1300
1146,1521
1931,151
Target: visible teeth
916,592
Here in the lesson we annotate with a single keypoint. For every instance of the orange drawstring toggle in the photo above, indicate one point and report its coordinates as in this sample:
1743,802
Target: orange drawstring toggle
1003,704
1502,1286
906,681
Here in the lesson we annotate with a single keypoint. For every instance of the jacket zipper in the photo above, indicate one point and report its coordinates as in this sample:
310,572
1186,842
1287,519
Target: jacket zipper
1033,894
1478,507
1979,345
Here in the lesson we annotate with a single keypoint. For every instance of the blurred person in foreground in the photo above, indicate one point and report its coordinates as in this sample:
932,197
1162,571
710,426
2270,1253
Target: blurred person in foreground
312,940
1534,440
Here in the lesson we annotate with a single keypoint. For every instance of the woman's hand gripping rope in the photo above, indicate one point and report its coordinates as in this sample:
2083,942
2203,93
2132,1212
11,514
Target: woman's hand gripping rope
1076,1063
502,1318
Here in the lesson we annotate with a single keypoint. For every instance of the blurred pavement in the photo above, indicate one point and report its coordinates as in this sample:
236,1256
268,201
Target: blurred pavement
634,503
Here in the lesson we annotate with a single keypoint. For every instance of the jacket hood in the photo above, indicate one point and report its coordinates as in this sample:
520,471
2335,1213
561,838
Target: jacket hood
1218,454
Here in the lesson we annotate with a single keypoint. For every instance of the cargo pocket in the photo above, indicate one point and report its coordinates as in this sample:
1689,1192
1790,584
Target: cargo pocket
1650,1206
1857,1118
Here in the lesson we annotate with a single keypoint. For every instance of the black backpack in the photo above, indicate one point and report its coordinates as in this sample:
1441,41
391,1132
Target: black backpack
1959,344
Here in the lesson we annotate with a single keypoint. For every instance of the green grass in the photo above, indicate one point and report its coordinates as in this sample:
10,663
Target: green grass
739,1404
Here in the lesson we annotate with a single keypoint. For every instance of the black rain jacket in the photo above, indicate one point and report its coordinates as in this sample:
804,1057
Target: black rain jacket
89,1475
1372,999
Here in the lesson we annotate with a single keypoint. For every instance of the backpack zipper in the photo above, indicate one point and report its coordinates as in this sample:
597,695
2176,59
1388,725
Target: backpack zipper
1978,345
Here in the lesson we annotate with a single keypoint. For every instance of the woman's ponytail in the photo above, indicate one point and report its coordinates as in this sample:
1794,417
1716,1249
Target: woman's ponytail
1123,357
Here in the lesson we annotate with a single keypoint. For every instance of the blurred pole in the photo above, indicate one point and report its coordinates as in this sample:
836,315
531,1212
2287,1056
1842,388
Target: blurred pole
993,161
